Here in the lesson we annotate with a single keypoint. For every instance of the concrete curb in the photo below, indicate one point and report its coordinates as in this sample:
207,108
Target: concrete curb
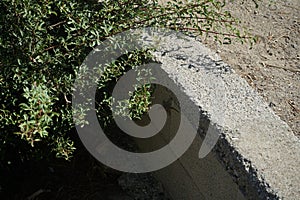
256,148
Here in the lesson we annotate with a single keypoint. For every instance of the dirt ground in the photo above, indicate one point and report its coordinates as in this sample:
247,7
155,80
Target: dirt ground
272,65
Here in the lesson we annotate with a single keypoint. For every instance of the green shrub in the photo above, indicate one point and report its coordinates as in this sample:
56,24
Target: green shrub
42,45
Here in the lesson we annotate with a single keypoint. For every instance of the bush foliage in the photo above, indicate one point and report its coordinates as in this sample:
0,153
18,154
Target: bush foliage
43,43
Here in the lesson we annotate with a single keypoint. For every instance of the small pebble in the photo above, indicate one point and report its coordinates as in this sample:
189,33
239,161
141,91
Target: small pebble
271,104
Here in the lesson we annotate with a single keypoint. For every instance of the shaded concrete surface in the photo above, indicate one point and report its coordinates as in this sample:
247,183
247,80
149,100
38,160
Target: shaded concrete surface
256,152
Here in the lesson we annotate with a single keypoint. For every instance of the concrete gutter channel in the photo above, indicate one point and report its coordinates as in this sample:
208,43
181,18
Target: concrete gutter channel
257,154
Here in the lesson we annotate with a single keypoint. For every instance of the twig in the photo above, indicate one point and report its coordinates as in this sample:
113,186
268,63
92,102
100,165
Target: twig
49,48
213,32
37,193
57,24
67,99
292,104
206,18
280,67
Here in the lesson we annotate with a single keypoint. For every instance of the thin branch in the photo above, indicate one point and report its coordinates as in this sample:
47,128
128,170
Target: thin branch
280,67
49,48
207,18
57,24
213,32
